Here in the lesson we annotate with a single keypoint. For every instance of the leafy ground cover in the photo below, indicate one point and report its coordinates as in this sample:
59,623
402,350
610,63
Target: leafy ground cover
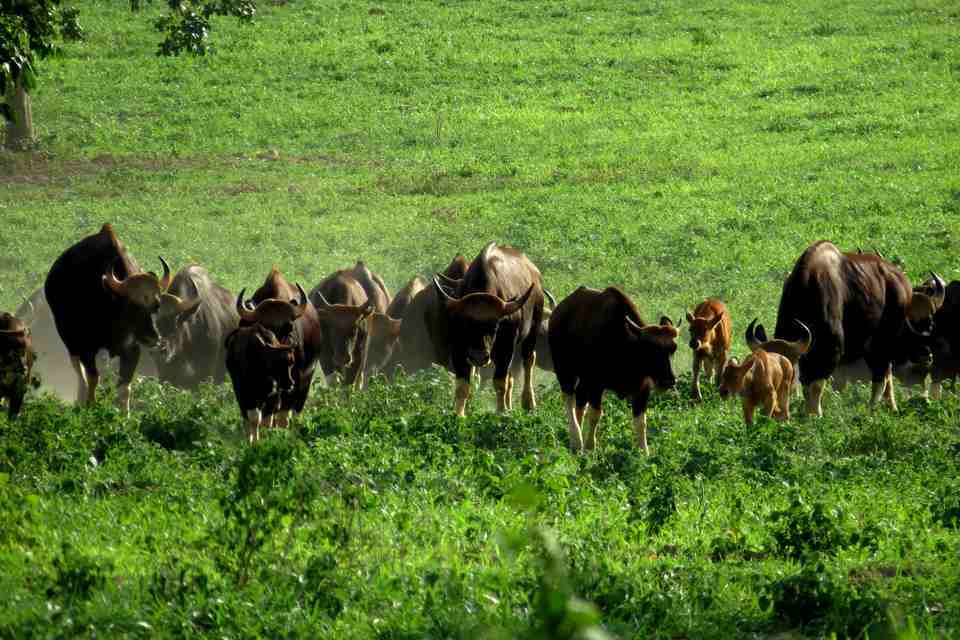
678,149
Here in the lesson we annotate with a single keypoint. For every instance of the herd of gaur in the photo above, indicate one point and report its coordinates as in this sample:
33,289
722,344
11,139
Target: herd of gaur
849,315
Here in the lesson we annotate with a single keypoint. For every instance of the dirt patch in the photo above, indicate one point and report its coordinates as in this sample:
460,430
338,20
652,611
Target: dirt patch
43,168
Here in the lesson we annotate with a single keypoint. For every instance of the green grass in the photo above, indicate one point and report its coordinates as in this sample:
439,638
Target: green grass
679,149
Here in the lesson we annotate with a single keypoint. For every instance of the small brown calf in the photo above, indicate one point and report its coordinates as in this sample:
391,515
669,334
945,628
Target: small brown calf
762,379
710,332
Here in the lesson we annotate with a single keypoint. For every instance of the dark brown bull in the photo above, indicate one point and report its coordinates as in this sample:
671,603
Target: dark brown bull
285,311
262,373
917,351
51,368
599,342
856,306
344,311
101,299
16,362
494,312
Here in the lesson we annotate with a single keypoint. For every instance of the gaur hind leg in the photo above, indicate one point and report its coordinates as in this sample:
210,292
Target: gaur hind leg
128,366
529,397
574,417
593,415
81,372
813,392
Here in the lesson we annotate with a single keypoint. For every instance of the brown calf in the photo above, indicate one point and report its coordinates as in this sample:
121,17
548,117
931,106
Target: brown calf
709,339
762,379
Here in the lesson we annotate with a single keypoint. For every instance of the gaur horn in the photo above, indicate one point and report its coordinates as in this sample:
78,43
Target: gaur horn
553,301
113,283
751,337
167,277
323,301
301,306
247,314
439,287
939,290
514,305
274,344
803,346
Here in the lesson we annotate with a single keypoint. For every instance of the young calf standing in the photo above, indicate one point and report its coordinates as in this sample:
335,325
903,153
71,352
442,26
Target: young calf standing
599,342
763,379
710,332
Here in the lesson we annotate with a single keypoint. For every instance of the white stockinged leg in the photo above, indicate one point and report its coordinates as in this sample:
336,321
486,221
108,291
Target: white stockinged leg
814,397
573,421
593,420
123,398
461,395
640,428
81,380
888,391
253,425
935,390
501,389
529,400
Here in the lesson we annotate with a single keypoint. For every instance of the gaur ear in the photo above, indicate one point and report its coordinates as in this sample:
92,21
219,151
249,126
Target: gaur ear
690,317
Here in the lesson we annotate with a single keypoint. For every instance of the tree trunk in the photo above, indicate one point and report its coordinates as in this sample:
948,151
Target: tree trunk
20,129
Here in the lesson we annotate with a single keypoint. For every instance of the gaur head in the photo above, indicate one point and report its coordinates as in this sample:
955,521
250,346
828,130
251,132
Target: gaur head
273,313
475,318
140,294
924,303
343,325
702,333
275,359
736,376
173,314
652,347
384,334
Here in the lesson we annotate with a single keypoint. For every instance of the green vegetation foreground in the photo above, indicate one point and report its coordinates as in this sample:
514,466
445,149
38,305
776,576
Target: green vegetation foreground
679,150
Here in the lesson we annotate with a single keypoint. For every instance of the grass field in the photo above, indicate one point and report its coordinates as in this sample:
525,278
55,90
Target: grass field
678,149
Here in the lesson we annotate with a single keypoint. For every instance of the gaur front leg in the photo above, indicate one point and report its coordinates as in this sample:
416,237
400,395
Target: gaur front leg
748,408
935,390
695,387
573,421
640,401
500,390
462,395
720,359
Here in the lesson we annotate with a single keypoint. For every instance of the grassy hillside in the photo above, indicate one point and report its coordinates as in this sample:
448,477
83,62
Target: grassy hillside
679,149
